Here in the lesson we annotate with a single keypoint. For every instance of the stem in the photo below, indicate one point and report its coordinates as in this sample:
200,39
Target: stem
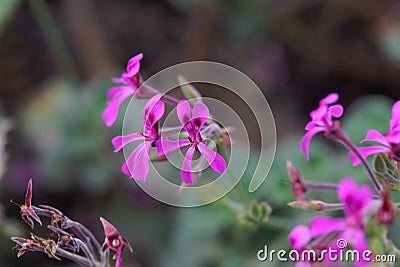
147,89
341,135
319,186
85,250
76,258
86,234
81,245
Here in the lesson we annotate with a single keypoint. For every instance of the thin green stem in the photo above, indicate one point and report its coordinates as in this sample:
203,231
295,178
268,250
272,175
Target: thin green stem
320,186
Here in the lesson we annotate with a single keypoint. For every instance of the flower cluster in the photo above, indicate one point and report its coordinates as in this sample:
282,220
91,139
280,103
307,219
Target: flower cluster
74,241
196,127
358,203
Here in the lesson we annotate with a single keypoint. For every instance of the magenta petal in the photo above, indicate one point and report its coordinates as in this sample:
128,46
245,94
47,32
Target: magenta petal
336,110
329,99
303,264
310,125
120,141
111,111
186,172
354,198
131,161
375,136
365,152
365,195
118,80
165,145
142,164
299,236
347,188
183,111
154,115
200,113
150,105
200,110
319,113
133,66
395,120
323,225
213,158
137,164
113,92
305,141
393,137
360,244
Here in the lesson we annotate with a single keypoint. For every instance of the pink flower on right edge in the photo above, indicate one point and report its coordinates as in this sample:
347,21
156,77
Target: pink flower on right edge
192,124
321,120
390,142
326,231
118,94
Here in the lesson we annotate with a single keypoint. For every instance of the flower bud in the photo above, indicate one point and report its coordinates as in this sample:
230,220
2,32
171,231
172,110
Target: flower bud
386,214
298,186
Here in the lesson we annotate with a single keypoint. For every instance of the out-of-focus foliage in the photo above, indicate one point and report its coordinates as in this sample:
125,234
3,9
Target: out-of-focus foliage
7,10
391,43
65,129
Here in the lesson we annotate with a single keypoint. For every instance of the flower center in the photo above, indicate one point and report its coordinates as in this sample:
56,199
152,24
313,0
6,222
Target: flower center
115,243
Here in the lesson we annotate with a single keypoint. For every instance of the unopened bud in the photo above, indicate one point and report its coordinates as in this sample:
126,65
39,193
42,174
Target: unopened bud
315,205
298,186
386,214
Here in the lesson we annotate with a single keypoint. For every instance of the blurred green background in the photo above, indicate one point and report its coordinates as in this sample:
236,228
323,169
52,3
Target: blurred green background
57,58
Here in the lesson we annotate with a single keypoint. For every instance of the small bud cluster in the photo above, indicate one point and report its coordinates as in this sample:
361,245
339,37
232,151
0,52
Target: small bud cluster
73,240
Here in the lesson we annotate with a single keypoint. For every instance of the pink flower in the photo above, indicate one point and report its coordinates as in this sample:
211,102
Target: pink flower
27,212
321,120
192,124
324,232
357,209
389,143
114,241
137,164
118,94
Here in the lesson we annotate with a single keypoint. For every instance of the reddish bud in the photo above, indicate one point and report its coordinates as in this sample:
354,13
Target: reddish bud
298,186
386,214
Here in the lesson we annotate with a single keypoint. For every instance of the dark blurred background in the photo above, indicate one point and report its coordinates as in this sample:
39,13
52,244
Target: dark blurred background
57,58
